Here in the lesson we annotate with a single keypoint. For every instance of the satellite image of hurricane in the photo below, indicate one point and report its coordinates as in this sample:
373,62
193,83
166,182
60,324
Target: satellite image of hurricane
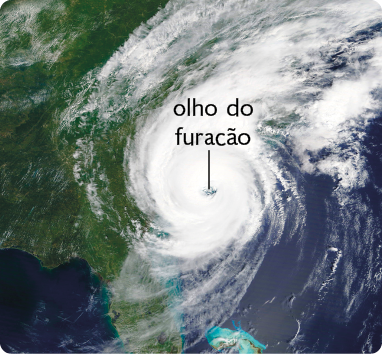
190,176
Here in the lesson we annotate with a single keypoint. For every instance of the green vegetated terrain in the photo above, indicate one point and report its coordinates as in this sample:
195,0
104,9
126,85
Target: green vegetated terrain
46,49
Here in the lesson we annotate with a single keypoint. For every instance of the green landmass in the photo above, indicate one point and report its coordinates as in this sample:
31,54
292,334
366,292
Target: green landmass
40,201
46,50
148,324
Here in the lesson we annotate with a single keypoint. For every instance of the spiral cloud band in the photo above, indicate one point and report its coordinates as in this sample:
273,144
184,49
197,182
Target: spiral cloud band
170,182
312,73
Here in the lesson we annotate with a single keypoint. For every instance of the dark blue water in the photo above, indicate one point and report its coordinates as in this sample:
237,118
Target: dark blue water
283,275
363,332
64,309
59,310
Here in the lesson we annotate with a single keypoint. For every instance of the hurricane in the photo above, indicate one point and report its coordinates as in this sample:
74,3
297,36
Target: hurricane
280,232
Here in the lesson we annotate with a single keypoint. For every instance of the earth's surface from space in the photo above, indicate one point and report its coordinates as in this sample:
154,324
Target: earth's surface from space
113,239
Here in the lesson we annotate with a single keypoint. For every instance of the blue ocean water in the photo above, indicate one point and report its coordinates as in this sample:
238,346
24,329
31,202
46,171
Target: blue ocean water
51,310
318,286
276,304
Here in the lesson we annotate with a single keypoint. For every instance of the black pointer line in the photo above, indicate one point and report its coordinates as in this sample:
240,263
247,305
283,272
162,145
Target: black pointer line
209,169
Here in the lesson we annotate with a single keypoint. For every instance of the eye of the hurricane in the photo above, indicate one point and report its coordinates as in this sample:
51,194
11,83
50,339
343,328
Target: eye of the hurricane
210,192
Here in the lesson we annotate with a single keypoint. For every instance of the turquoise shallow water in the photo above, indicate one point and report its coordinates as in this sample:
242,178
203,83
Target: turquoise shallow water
220,338
90,168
